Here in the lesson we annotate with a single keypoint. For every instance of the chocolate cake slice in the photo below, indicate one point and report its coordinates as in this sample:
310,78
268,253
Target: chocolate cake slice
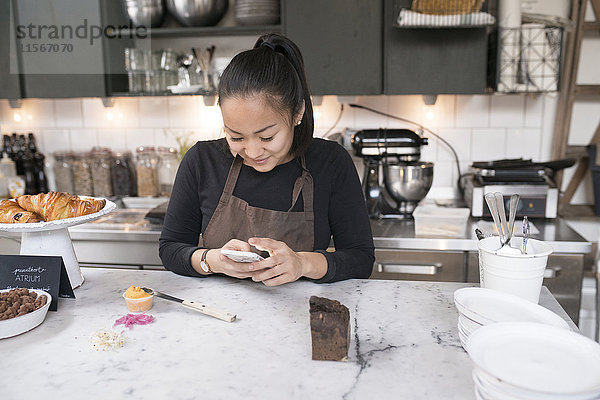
329,329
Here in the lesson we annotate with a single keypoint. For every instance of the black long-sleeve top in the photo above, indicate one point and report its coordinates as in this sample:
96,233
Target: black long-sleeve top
339,204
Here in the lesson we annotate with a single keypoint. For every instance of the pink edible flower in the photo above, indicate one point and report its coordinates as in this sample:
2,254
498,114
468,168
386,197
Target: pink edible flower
134,319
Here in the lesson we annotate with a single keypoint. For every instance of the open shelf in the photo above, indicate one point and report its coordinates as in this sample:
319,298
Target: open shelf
206,31
147,94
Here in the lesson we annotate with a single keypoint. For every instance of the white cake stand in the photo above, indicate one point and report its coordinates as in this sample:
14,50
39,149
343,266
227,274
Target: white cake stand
52,239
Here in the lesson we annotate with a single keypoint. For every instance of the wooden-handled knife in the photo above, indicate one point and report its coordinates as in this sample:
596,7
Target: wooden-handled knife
192,305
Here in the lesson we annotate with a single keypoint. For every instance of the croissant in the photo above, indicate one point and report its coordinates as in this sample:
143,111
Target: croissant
59,205
11,213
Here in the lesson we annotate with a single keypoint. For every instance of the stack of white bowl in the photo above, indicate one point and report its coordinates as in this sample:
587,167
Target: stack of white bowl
257,12
532,361
480,306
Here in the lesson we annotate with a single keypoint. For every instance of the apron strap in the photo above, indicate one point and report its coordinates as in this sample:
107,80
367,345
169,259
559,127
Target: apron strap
232,177
300,187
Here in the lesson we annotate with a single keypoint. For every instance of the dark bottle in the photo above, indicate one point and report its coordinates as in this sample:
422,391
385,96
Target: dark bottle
40,175
7,145
14,146
28,166
31,145
18,153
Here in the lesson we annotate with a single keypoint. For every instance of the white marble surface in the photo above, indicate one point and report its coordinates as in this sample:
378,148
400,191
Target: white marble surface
404,343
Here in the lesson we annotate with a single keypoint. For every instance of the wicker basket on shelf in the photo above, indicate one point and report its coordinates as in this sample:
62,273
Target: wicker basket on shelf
447,7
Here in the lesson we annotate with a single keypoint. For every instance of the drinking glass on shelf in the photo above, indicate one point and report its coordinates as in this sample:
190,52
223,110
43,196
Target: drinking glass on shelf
136,59
156,60
136,81
168,60
152,82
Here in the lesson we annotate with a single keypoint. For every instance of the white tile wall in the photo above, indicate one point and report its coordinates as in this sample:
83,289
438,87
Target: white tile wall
55,140
83,139
482,127
473,111
507,111
534,108
459,139
69,113
488,144
523,142
153,112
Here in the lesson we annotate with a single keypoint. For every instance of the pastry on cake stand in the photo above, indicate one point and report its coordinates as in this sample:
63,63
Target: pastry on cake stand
52,238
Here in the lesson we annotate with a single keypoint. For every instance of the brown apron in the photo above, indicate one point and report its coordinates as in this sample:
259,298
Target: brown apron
236,219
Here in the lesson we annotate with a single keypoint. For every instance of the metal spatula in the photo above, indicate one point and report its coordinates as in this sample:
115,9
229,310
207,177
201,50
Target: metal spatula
192,305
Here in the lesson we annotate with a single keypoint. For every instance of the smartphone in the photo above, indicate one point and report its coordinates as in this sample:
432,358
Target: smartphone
241,256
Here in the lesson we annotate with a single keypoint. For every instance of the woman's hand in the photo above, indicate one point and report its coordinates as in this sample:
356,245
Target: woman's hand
224,265
285,265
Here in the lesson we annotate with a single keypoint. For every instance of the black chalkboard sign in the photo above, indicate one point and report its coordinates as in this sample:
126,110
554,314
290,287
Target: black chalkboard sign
46,273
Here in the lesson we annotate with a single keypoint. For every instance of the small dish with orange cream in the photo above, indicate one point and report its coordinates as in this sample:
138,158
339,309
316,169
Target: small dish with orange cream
137,300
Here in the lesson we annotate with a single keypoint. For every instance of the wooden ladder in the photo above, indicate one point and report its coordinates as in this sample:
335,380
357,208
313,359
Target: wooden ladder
569,91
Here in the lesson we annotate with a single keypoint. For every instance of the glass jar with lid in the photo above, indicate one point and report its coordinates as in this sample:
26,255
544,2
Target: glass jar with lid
101,158
167,169
122,174
63,172
146,171
82,174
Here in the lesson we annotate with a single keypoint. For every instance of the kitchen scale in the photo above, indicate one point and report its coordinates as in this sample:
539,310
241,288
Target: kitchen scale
52,238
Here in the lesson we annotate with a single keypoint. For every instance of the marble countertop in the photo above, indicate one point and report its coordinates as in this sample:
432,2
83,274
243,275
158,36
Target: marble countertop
404,343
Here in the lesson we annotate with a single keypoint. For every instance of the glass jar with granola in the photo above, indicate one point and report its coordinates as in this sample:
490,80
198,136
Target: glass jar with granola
146,171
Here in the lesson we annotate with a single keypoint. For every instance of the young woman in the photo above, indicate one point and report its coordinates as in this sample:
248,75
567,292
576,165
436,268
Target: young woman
268,184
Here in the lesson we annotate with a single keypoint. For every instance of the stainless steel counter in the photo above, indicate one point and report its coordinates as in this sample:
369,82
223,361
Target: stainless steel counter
400,234
129,225
120,230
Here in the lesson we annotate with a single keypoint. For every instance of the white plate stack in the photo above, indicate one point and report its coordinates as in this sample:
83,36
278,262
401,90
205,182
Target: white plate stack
257,12
479,306
532,361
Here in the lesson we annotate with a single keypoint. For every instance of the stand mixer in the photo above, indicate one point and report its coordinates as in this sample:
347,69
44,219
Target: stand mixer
406,180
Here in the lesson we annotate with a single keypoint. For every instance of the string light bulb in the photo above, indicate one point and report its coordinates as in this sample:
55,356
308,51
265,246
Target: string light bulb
429,106
429,113
317,113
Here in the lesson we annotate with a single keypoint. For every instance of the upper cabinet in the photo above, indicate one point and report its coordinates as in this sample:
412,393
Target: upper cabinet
59,49
350,47
10,85
341,42
432,60
354,47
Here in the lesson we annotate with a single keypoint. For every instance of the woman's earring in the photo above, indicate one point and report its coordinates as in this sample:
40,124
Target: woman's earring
298,123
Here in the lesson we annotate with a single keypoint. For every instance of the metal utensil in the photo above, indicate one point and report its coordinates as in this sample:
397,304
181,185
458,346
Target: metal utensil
491,202
503,224
526,232
512,213
479,234
202,308
184,62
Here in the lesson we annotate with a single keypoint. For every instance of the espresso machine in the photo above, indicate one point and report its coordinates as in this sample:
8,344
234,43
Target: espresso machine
405,181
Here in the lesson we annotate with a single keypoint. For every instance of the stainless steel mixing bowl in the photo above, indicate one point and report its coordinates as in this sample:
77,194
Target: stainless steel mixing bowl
148,13
198,12
408,182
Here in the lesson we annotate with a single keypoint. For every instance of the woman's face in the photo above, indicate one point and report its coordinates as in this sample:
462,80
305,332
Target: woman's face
258,133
